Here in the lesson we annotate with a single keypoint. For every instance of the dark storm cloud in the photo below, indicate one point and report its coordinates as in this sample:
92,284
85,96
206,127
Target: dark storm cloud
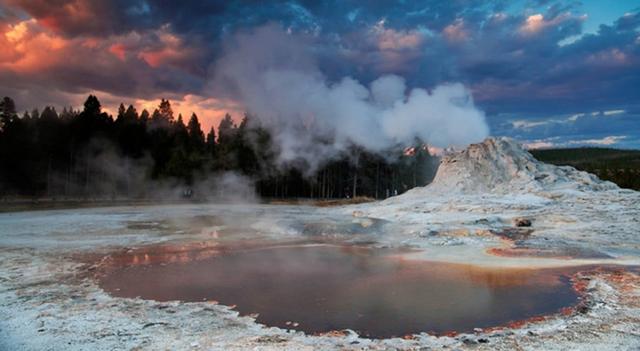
87,17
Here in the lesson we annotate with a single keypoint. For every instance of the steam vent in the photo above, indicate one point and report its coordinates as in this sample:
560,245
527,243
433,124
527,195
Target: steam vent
325,175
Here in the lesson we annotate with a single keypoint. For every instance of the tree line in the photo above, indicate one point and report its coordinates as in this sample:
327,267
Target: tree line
619,166
89,153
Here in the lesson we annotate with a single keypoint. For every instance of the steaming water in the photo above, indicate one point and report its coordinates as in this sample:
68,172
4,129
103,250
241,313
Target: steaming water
323,288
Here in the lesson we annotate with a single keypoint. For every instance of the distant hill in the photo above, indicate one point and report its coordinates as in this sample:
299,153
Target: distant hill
619,166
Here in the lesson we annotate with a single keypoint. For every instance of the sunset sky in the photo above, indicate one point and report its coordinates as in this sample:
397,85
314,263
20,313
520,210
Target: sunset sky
550,73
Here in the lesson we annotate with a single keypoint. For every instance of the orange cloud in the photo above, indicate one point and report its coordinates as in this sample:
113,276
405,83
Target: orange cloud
90,43
210,110
396,47
536,23
18,31
118,50
32,50
455,32
24,44
31,47
57,15
391,39
170,49
533,24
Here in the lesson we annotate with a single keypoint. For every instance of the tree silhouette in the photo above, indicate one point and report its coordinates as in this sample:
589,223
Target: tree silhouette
212,148
226,144
89,154
196,136
92,106
7,111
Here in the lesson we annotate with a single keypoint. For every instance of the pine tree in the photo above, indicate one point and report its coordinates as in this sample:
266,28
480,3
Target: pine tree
49,113
144,116
226,130
130,115
165,110
243,143
121,111
212,148
92,106
181,134
226,144
35,114
7,111
196,136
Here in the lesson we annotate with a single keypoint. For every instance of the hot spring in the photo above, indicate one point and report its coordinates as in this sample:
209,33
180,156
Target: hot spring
318,288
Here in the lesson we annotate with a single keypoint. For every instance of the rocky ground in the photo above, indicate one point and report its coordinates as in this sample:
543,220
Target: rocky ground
490,205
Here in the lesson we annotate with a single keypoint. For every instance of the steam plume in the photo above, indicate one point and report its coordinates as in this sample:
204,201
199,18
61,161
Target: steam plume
274,75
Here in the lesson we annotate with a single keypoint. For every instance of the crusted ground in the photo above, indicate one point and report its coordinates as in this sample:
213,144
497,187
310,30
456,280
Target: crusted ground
49,302
470,214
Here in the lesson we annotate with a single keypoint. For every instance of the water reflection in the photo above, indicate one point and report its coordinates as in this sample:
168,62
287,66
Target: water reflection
323,288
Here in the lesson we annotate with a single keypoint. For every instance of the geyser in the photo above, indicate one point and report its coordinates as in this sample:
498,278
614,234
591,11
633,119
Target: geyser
312,118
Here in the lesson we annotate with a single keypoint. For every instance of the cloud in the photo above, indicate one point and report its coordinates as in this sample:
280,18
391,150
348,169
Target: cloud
119,50
538,144
510,59
71,18
533,24
384,49
167,49
613,112
149,64
536,23
22,43
556,142
608,57
455,32
526,124
209,110
395,40
575,117
608,140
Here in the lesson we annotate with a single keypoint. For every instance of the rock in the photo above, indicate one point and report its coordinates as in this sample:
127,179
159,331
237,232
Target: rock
366,222
271,339
513,234
150,324
426,234
468,340
522,222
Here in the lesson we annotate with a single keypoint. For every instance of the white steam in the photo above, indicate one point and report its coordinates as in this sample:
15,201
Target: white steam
273,74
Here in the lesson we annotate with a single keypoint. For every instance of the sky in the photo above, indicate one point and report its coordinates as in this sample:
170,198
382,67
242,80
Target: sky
549,73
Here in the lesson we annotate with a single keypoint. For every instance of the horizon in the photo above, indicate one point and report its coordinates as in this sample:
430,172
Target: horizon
206,128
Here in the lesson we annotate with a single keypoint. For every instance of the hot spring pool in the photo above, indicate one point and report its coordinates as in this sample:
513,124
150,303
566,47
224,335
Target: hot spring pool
319,288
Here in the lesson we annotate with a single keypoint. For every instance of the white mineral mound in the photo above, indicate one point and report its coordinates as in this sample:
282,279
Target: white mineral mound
488,185
502,166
